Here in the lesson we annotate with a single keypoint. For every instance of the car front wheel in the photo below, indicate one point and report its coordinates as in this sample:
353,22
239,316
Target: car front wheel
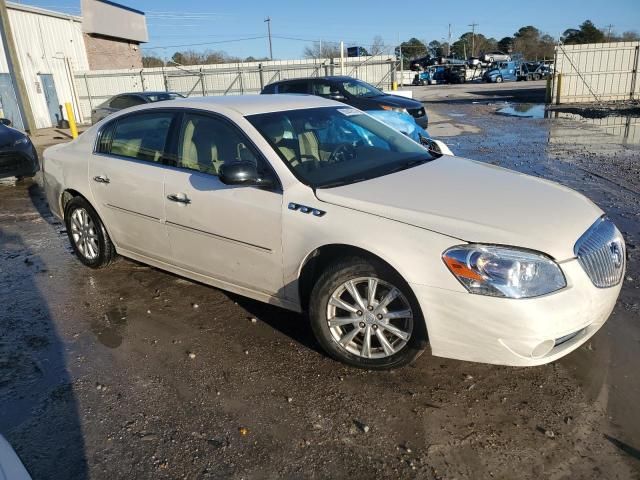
365,315
87,235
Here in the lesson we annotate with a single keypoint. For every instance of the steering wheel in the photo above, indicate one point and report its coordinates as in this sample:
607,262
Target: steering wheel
344,151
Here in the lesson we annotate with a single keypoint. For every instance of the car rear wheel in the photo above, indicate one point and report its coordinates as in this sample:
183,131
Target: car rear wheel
365,315
498,79
88,237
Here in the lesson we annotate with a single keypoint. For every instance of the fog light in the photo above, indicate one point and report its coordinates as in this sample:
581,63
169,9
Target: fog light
543,348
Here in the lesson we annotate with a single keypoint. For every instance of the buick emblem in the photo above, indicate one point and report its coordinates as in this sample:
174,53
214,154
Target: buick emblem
615,250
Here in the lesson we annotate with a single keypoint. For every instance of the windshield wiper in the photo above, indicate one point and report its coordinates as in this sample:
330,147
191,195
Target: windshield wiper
409,164
342,183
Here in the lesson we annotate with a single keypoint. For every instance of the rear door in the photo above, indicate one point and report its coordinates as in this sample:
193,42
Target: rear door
126,174
229,233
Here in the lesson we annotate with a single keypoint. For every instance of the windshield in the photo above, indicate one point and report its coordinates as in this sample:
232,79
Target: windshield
360,89
333,146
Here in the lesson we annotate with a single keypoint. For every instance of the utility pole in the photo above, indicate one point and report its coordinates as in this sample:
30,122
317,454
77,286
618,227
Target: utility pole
449,43
609,27
268,20
15,73
473,38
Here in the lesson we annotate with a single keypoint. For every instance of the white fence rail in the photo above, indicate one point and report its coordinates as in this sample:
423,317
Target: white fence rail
94,87
596,72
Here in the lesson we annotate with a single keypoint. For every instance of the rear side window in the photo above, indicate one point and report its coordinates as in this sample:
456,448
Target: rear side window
126,101
293,87
142,136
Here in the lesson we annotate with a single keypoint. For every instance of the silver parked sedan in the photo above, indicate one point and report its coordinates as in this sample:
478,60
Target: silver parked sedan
315,206
126,100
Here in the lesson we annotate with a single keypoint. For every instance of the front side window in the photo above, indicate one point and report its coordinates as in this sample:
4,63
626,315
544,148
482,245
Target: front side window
334,146
360,89
207,142
323,88
141,136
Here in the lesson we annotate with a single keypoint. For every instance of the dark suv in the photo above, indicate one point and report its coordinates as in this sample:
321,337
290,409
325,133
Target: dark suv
353,92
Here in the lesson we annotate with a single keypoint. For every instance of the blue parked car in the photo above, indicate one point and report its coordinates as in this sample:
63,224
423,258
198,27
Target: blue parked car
502,72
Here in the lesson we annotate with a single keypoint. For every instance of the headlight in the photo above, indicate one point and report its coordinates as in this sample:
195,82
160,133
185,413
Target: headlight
394,109
503,272
21,141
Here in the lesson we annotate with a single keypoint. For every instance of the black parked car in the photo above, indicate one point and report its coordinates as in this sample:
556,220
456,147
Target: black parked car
126,100
18,157
353,92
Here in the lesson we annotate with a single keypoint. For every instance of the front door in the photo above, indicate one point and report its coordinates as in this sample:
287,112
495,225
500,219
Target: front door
229,233
127,182
51,96
9,102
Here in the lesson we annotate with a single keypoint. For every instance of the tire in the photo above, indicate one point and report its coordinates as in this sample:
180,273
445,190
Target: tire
409,337
87,235
498,79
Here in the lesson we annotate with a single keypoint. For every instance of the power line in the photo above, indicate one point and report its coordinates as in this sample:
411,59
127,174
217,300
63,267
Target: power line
208,43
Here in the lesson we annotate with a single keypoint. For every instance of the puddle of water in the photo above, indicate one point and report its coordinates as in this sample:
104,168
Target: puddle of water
595,129
611,129
523,110
110,329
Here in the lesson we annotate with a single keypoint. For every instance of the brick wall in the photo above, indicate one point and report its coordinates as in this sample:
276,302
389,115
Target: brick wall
106,53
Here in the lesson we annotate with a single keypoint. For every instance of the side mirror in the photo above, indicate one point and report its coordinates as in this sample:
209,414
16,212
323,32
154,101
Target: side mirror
5,121
336,96
242,173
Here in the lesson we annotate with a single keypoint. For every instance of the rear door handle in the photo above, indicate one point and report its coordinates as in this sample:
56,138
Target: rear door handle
101,179
180,199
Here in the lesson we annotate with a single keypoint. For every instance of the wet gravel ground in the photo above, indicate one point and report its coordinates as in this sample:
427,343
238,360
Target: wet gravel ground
131,372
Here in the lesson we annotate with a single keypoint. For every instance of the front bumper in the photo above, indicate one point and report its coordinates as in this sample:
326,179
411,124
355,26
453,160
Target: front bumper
21,162
522,332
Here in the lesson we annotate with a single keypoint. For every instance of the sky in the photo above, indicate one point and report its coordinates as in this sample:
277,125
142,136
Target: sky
233,25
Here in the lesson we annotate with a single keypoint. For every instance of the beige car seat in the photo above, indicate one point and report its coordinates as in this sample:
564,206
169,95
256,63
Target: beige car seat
199,152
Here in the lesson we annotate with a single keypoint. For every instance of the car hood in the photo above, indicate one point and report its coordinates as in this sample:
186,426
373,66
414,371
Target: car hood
397,101
475,202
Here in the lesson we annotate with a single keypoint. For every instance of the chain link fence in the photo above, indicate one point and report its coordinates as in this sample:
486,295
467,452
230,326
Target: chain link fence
94,87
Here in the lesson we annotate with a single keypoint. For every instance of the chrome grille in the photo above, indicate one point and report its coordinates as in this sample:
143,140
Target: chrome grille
601,252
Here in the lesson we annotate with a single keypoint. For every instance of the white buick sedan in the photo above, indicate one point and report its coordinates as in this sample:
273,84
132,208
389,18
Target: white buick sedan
317,207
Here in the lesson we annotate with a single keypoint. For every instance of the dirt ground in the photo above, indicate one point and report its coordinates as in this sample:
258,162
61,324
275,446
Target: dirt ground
131,372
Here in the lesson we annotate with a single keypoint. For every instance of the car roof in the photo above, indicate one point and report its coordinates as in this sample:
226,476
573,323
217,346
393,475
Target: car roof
326,77
253,104
146,93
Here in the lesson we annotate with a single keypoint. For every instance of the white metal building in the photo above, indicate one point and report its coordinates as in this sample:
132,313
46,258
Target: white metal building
51,46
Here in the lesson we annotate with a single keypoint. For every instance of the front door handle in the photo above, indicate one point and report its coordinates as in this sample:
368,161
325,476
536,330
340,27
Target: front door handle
180,199
101,179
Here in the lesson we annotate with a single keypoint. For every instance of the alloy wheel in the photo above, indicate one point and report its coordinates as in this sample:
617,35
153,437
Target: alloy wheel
369,317
84,234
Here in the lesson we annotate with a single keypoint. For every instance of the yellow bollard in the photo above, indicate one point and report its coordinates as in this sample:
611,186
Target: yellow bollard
394,86
72,120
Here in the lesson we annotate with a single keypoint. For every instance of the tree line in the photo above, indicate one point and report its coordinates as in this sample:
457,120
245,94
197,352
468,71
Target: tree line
528,40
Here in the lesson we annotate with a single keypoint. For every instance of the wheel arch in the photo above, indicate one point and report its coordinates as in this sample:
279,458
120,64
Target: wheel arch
318,259
70,193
